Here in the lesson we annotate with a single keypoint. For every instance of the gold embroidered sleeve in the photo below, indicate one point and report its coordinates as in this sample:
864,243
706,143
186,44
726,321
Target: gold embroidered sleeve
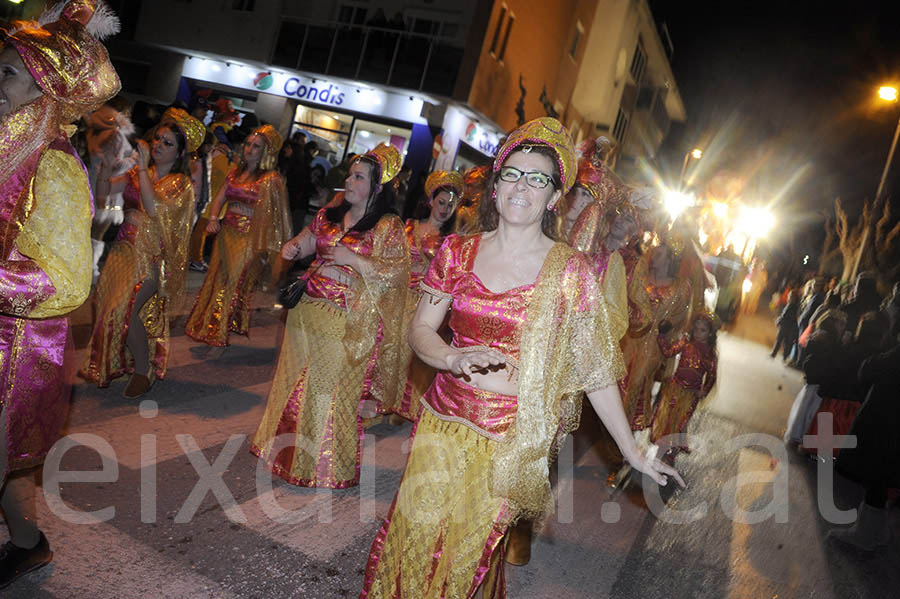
57,234
640,314
271,224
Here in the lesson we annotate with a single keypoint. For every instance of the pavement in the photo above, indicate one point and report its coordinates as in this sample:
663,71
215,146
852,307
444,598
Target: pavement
185,516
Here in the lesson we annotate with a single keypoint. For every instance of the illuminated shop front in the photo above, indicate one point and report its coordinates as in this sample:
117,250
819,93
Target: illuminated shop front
350,117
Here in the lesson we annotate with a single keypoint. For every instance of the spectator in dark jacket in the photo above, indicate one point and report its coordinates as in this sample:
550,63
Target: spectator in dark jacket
875,461
787,327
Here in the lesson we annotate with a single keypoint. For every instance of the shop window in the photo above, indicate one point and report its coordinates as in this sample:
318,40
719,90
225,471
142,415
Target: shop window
496,38
350,14
509,25
330,130
368,134
244,5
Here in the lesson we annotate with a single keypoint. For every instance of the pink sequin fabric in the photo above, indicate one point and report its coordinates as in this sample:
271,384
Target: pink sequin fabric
479,317
329,234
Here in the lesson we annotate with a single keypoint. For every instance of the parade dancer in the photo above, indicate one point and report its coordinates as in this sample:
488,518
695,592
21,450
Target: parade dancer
311,431
51,73
424,237
530,331
474,181
256,226
144,275
693,379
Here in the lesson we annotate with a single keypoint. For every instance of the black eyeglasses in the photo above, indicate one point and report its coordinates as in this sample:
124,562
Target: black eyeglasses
535,179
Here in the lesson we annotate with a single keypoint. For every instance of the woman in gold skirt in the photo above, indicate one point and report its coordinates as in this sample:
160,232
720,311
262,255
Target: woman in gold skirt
256,226
144,274
530,331
311,431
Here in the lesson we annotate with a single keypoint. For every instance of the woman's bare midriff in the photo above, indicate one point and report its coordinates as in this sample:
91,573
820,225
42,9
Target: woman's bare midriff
504,381
241,209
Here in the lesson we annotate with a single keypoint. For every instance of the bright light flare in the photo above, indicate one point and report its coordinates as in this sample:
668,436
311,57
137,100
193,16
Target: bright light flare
676,202
887,93
755,221
696,153
747,286
720,209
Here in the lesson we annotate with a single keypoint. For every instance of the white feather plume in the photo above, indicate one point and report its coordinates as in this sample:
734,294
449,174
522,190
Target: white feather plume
103,24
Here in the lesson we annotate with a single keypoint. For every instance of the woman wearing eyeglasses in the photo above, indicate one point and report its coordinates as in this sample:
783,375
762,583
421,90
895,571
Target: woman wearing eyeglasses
530,329
424,238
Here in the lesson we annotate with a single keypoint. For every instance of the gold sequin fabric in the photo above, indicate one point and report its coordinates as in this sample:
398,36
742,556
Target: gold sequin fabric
388,159
314,402
438,179
148,247
642,354
446,523
68,63
674,408
544,131
223,304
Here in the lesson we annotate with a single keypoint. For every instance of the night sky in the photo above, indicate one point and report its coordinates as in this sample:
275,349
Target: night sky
782,90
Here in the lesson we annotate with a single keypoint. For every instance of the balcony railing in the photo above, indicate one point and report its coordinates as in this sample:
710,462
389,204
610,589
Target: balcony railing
373,54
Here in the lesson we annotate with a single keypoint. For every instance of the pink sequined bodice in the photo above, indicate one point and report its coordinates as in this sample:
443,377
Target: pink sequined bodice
478,317
245,193
421,253
328,235
132,193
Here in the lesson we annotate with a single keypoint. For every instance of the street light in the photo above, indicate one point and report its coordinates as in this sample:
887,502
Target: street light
696,154
888,94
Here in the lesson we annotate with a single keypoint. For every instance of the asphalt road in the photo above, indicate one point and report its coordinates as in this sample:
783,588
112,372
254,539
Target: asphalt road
178,511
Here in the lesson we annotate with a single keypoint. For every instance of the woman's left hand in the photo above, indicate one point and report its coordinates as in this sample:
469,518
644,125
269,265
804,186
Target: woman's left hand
341,256
142,154
657,470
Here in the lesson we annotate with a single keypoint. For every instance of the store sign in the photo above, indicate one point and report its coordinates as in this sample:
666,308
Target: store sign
458,127
480,138
324,92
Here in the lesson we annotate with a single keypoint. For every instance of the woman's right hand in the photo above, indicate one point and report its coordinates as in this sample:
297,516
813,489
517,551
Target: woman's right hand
464,363
213,226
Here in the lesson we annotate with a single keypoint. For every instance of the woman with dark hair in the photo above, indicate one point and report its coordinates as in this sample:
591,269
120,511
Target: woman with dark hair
256,225
311,432
693,379
424,237
530,332
143,278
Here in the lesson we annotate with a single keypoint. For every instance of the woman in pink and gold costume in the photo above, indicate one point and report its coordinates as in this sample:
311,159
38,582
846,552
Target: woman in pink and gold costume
143,278
51,73
257,224
311,432
530,331
424,237
693,379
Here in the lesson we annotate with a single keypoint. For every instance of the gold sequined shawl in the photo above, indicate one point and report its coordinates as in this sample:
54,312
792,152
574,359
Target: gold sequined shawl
271,224
376,298
25,131
567,346
174,209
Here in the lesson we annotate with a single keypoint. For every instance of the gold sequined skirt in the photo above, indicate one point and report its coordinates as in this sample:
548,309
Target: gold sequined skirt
674,409
223,304
311,432
443,535
107,357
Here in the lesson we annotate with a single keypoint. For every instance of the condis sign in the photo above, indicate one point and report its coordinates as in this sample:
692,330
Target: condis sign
325,95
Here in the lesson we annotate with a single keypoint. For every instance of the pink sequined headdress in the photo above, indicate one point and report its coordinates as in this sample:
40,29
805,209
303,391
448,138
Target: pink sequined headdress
543,131
64,55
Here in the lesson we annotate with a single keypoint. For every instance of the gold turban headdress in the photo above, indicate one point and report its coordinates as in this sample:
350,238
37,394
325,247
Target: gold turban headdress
273,146
388,160
193,130
64,55
439,179
543,131
596,177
